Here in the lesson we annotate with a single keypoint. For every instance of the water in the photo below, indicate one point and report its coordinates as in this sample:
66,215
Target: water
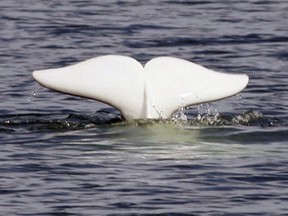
62,155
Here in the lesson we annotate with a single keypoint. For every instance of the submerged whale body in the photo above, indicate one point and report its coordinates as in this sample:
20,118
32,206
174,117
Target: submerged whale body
156,90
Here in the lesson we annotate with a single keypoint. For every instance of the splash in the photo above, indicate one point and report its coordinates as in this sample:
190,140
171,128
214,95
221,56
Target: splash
208,109
180,115
247,118
206,115
35,93
251,118
210,114
238,97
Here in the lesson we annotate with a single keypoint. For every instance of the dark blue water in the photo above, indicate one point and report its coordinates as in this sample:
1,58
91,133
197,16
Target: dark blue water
63,155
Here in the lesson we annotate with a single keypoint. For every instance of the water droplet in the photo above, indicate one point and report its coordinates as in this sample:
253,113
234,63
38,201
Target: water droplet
238,97
35,92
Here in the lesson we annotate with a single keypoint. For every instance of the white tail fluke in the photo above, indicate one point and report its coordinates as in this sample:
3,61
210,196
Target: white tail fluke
156,90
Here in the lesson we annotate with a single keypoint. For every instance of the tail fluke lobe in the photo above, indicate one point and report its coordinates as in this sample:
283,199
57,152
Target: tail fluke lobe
115,80
181,83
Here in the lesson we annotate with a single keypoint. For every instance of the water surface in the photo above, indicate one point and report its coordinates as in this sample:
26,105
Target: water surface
63,155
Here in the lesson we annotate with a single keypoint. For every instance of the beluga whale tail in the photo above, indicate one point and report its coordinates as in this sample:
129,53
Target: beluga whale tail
156,90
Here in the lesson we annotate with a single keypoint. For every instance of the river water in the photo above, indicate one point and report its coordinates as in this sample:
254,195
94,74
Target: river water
63,155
